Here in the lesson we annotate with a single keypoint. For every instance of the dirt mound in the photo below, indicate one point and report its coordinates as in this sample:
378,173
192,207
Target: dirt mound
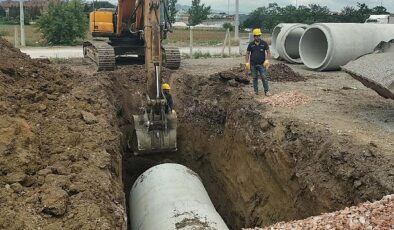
283,73
59,148
276,73
234,75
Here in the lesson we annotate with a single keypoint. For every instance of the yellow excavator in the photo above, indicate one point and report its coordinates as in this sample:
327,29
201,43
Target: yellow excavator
122,32
138,27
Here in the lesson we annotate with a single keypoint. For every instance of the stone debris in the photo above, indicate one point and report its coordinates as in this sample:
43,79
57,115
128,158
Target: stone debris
377,215
234,75
55,201
89,118
286,99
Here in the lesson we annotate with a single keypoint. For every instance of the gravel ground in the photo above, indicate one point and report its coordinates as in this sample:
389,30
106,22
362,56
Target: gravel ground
377,215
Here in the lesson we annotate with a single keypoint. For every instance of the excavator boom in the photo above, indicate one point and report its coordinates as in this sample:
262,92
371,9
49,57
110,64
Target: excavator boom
154,131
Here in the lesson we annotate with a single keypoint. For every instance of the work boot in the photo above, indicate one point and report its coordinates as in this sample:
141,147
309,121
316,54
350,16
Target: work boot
268,94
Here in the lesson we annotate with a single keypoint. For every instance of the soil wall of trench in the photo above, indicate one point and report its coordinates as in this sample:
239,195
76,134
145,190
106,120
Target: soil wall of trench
60,155
260,170
257,169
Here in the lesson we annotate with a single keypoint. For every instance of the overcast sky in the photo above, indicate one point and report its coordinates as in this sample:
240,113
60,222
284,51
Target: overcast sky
249,5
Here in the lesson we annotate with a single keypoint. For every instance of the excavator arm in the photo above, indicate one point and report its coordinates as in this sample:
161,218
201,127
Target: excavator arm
154,131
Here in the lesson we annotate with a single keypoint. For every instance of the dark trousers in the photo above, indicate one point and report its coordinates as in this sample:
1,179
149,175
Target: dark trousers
259,70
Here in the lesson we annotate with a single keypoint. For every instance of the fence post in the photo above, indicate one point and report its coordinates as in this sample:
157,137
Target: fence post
191,41
22,23
224,43
16,36
229,42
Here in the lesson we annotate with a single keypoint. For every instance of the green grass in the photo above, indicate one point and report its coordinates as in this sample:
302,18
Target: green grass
32,36
199,54
179,37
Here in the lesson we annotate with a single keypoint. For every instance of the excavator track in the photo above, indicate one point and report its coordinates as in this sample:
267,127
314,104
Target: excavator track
101,53
171,57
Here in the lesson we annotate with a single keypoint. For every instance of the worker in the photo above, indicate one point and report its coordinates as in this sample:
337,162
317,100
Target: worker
170,103
257,56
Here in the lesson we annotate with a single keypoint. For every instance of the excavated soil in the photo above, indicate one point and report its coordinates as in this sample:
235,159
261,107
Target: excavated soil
283,73
64,161
59,148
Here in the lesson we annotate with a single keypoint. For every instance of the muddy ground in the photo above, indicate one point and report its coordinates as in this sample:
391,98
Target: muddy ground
64,160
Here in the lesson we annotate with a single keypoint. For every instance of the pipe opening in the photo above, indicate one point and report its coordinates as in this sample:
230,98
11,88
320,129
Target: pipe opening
313,48
292,43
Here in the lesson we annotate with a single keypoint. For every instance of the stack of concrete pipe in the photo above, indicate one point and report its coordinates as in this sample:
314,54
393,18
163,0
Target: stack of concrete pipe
285,41
327,46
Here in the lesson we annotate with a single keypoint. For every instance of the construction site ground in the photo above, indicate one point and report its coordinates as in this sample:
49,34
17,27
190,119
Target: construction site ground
321,143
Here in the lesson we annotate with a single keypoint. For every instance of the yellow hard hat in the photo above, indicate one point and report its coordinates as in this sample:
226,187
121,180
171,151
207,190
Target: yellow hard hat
165,86
257,32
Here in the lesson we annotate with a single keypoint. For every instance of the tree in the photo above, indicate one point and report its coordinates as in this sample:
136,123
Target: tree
89,7
257,18
363,12
198,12
349,14
379,10
172,11
63,23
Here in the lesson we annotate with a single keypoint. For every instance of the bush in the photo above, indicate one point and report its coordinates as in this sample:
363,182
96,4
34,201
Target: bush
199,54
4,33
228,25
63,23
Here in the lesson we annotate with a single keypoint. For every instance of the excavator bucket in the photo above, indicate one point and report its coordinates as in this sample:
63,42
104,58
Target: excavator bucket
146,140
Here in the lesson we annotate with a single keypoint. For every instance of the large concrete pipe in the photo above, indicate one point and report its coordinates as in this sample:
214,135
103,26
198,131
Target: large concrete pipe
274,38
285,41
327,46
169,197
288,40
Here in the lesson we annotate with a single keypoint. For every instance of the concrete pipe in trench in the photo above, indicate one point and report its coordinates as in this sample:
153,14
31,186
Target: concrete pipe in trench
285,41
169,197
327,46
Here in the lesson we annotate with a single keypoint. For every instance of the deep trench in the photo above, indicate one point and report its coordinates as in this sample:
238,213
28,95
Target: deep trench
251,184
